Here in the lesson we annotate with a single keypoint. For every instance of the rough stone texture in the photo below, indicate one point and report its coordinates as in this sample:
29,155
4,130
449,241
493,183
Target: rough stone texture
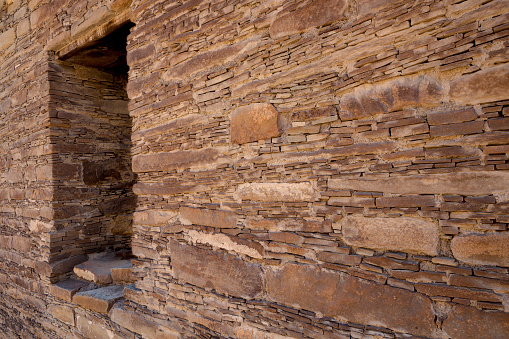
393,234
336,294
402,102
483,86
469,322
100,299
309,16
99,271
277,192
177,160
473,183
63,313
66,289
253,122
213,218
223,272
482,249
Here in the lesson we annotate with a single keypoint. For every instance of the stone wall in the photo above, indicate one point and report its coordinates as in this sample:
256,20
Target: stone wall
303,169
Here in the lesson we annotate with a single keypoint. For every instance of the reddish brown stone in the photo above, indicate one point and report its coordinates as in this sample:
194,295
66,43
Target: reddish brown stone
406,201
482,248
62,313
223,272
317,13
500,124
477,282
339,258
62,266
483,86
167,189
398,234
392,264
463,183
66,289
167,161
314,114
253,122
470,323
457,292
445,118
337,294
205,217
99,300
463,128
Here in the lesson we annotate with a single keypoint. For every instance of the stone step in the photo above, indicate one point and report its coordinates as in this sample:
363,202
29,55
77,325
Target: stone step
100,299
66,289
105,271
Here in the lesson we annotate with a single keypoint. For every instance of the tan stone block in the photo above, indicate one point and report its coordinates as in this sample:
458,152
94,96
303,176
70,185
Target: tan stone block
91,329
317,13
99,300
7,38
94,19
337,294
223,272
287,192
403,234
227,242
167,161
205,217
470,323
462,183
62,313
153,217
482,248
253,122
209,59
483,86
66,289
366,7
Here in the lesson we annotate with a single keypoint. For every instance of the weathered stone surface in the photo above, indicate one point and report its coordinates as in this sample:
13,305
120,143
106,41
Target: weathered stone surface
66,289
482,249
92,329
153,217
167,189
62,266
462,183
392,96
206,217
223,272
167,161
253,122
470,323
317,13
62,313
99,271
336,294
122,275
99,300
209,59
7,38
136,323
365,7
404,234
288,192
118,205
227,242
289,224
483,86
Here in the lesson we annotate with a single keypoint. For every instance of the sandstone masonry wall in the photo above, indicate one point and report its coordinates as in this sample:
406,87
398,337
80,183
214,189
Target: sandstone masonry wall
307,169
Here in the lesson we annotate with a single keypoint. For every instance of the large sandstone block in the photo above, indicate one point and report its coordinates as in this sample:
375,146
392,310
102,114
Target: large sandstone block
483,86
467,322
205,217
482,248
153,217
463,183
403,234
223,272
253,122
208,59
62,313
287,192
227,242
317,13
7,38
392,96
167,161
99,300
92,329
290,224
337,294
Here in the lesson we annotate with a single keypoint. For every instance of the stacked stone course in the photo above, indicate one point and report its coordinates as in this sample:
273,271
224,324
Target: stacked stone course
302,169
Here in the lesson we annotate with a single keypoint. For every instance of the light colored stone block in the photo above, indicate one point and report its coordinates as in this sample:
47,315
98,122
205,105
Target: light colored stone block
482,249
287,192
